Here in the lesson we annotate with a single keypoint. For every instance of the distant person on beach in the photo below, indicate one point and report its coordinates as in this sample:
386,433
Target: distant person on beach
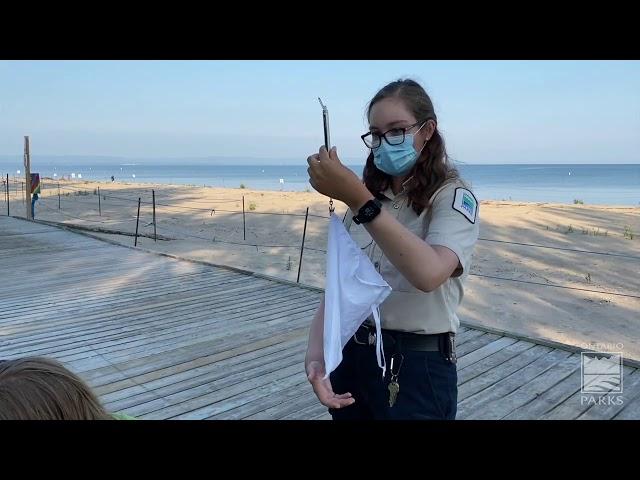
418,223
35,388
113,179
34,199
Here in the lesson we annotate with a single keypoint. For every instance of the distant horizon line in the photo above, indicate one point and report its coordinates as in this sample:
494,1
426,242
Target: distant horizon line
262,160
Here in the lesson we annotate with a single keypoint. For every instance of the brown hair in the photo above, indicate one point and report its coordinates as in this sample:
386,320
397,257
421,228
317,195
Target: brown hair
34,388
433,167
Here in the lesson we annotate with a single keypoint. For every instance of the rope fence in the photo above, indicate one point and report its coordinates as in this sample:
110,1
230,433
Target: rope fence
12,188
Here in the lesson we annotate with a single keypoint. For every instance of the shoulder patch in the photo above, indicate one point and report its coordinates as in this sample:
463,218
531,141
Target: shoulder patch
465,202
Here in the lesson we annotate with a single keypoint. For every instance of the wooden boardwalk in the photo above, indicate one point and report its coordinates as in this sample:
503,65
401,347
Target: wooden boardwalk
165,338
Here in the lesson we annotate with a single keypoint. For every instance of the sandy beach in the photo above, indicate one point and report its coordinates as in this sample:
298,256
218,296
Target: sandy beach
207,224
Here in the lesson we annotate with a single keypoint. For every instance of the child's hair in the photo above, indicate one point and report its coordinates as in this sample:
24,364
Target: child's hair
34,388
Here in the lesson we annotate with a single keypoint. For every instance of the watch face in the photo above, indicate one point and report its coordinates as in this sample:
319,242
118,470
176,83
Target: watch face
367,212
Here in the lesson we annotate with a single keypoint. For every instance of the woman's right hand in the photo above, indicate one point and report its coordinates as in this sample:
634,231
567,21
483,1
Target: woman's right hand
323,389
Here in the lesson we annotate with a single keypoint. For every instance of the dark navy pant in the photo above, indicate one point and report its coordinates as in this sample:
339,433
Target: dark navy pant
428,386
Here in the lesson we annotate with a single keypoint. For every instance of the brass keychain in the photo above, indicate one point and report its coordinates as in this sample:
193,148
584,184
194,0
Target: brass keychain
394,385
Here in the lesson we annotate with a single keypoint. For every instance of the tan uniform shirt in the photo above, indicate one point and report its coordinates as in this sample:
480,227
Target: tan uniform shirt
453,223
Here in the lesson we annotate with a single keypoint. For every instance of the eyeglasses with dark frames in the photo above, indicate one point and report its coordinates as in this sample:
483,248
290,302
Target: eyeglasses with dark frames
393,136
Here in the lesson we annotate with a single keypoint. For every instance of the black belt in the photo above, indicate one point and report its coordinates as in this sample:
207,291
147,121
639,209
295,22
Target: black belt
394,340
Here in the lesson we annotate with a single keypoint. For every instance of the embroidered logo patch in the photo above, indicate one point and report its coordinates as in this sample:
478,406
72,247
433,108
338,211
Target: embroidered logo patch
465,203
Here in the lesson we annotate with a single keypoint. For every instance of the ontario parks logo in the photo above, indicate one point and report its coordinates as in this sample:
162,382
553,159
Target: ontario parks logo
602,375
468,203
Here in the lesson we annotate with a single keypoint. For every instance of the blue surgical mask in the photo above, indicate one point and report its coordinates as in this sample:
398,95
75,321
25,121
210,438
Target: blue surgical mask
396,160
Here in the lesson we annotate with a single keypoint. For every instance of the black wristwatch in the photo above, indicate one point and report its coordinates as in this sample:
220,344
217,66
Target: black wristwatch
368,212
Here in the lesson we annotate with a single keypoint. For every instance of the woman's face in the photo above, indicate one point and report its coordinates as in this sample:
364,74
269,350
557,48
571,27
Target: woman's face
391,113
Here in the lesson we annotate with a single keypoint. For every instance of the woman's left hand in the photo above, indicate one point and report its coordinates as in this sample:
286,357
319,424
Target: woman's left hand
330,177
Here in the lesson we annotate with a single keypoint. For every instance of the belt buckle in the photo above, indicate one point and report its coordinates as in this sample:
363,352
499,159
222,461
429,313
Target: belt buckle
371,338
355,339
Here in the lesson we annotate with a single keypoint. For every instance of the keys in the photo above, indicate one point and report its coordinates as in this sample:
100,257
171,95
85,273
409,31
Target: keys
394,385
394,389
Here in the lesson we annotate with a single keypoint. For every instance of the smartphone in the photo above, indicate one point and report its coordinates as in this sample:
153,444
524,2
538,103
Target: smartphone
325,121
327,141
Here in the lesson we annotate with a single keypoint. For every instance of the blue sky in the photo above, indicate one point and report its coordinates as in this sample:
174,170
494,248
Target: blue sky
489,111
